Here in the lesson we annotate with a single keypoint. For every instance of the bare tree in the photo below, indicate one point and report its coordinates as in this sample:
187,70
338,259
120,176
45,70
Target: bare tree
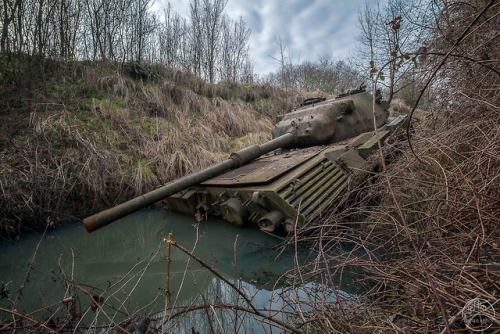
170,35
326,74
212,32
210,44
390,33
196,36
10,11
234,49
285,61
144,25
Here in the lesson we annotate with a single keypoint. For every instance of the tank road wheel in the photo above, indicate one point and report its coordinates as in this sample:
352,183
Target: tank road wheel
234,212
271,221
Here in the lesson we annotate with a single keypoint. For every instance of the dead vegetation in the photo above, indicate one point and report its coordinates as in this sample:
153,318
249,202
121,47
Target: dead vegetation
450,206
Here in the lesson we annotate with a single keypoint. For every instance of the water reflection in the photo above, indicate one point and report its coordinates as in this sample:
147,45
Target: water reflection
125,263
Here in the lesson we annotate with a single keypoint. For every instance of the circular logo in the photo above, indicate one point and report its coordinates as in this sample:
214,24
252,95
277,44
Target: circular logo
478,314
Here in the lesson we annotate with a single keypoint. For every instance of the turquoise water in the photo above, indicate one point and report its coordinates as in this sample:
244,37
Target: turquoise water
125,264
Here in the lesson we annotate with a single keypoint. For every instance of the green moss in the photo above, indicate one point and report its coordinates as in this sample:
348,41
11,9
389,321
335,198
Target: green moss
24,135
116,103
145,167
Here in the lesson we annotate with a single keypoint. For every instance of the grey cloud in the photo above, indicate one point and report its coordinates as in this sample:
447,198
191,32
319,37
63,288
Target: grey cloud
308,28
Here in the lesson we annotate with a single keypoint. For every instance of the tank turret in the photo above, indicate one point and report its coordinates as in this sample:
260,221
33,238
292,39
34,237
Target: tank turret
286,181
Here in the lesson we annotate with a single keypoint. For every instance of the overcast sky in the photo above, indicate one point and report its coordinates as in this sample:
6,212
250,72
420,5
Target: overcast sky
309,28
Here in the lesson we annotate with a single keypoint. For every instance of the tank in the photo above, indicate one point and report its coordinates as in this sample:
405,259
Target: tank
287,181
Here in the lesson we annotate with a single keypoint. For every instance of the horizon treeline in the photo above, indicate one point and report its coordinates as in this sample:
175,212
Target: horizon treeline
207,42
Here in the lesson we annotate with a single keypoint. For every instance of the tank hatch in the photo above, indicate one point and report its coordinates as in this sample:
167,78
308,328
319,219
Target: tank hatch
264,170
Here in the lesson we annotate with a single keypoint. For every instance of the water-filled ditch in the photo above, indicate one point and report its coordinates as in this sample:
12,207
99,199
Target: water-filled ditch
124,266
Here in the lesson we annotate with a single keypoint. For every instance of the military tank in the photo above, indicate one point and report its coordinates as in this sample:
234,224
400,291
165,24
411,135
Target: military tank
287,181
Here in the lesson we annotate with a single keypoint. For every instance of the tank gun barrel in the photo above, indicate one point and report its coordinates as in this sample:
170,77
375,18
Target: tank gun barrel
236,159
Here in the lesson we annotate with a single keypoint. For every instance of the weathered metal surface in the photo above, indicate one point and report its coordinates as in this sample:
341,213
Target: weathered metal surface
332,121
262,170
372,143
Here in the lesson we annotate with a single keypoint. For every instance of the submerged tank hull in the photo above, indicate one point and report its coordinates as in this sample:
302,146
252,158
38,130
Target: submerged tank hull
286,188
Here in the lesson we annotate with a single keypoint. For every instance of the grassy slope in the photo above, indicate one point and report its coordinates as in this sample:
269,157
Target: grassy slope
79,137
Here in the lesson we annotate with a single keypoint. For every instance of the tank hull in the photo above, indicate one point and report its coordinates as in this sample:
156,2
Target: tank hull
285,188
